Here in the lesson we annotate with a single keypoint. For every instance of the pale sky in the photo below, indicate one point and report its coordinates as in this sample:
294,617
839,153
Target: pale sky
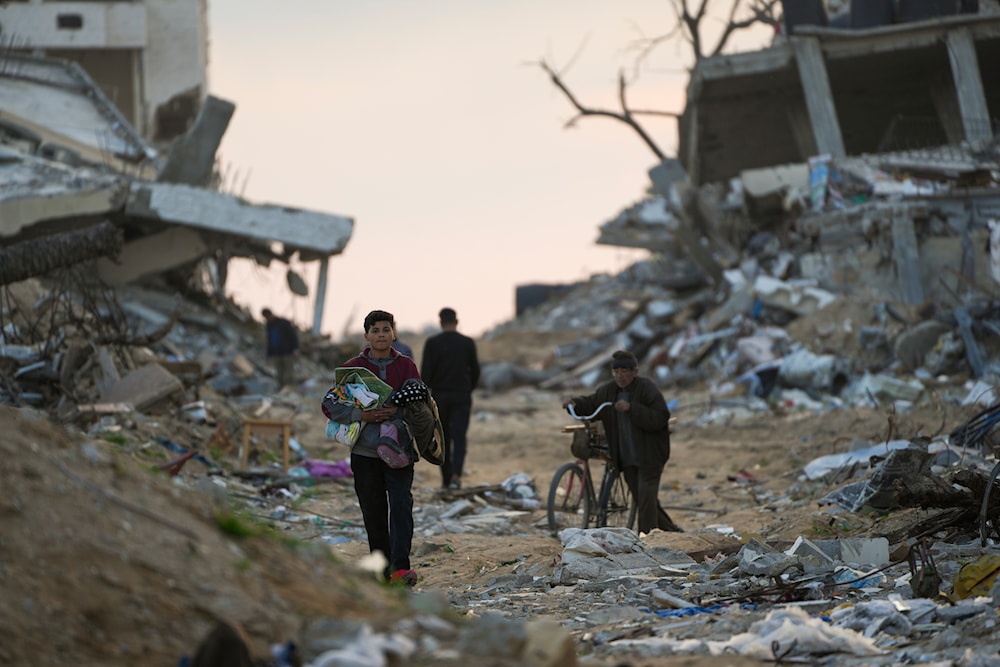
429,125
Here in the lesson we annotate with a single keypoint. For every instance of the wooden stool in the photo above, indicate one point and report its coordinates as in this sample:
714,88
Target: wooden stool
263,427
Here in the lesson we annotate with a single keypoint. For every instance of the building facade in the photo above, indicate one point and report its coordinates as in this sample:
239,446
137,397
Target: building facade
149,57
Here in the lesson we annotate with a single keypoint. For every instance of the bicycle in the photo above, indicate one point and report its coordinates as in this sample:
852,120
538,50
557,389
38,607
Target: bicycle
573,499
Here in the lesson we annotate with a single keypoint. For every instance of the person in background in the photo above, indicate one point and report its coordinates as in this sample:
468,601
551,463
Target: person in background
637,427
282,346
450,367
402,348
382,483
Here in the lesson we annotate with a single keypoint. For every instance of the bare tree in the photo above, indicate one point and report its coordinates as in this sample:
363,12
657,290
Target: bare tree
626,115
691,23
691,26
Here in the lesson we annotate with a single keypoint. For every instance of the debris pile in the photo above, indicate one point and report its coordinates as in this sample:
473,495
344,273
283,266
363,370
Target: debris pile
841,292
789,291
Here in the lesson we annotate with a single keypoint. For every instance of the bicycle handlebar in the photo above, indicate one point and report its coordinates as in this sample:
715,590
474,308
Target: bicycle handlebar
572,411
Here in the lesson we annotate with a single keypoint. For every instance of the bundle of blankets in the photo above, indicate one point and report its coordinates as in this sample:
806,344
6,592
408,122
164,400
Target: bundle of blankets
359,388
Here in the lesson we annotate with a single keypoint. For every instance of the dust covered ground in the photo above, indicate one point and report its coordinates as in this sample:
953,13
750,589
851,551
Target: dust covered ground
106,560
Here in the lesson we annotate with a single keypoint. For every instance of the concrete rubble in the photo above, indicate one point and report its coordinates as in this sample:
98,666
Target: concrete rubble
624,595
80,187
813,282
853,598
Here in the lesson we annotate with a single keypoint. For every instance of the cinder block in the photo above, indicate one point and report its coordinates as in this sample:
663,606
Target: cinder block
865,551
806,548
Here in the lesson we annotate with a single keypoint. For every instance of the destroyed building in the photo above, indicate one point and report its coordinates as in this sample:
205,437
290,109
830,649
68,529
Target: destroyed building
843,92
855,163
767,245
108,140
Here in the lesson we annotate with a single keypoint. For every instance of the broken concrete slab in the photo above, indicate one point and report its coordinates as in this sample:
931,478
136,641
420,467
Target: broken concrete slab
802,297
152,254
803,369
648,224
912,344
41,93
601,553
666,174
766,190
37,190
144,387
864,551
219,212
192,157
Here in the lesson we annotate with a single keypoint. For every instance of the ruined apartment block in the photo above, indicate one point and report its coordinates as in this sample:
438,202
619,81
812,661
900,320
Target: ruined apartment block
150,58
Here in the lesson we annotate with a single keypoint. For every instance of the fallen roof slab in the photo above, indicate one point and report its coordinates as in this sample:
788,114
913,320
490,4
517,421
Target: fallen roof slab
42,93
33,190
219,212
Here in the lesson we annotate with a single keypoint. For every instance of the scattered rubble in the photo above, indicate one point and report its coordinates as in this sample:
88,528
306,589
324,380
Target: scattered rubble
838,281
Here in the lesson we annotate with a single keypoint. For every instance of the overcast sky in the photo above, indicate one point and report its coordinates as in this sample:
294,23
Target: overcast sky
428,123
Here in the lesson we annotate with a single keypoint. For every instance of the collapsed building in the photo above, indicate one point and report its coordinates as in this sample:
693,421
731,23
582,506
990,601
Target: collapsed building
837,165
108,140
837,160
765,244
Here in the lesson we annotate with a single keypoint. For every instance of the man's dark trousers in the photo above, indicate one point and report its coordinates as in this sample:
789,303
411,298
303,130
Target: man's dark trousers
455,410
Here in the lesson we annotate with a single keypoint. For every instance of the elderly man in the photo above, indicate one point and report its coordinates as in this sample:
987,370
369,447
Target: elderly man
637,426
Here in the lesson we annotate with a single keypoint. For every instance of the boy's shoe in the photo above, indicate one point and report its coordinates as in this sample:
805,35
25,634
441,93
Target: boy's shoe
408,577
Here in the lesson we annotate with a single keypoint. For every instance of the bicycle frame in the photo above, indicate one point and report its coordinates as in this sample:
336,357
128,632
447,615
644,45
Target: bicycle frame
573,497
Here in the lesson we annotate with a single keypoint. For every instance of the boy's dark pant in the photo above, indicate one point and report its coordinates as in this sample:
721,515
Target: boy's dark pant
386,501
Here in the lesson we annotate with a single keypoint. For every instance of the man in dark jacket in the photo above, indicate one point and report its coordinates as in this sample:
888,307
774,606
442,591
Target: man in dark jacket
450,367
282,346
637,426
402,348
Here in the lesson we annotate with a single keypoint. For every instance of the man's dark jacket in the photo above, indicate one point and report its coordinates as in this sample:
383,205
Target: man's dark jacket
648,415
282,339
449,363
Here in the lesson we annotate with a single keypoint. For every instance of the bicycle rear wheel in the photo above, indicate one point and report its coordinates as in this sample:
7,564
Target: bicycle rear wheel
616,504
568,502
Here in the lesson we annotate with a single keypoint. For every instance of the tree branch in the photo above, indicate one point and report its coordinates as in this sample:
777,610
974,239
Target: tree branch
761,11
690,24
646,46
650,112
625,116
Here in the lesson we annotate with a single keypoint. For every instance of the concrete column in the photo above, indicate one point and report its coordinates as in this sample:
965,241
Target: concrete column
192,157
948,111
819,96
798,121
906,257
969,85
324,269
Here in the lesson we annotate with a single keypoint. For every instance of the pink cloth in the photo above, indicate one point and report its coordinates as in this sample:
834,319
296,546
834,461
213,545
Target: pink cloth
328,468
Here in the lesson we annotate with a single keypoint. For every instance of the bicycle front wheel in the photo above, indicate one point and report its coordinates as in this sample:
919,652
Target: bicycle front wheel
617,506
568,502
